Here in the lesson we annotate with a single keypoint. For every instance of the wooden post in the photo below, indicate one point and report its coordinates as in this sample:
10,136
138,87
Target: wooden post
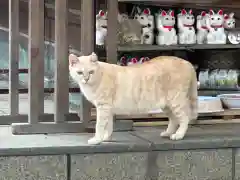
13,56
87,47
61,62
36,60
112,24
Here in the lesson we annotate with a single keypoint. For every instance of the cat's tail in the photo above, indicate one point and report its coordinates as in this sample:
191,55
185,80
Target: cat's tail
193,96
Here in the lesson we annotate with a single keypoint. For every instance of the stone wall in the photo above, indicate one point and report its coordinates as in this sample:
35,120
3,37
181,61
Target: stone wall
212,164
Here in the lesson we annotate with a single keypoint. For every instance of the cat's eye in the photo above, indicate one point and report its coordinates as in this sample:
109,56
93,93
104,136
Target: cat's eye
166,18
219,18
212,18
80,72
91,72
188,17
142,18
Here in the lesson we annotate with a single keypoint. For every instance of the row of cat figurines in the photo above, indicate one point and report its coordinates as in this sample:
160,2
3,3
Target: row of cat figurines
210,27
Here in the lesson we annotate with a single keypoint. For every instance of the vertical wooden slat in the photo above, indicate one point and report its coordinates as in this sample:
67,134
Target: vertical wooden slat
36,59
61,55
13,56
87,47
112,24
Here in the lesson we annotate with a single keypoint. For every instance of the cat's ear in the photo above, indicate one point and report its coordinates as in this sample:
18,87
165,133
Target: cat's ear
73,60
211,12
231,15
220,12
93,57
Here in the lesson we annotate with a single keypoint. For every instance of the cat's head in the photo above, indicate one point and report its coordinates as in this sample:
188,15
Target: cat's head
229,21
166,18
216,19
84,69
187,18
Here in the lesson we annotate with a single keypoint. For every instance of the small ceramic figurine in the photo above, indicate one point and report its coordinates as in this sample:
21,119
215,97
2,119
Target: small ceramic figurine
165,26
101,28
216,34
143,59
132,61
147,22
229,21
123,61
186,28
202,29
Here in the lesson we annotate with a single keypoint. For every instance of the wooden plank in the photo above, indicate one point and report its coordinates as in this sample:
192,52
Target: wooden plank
226,112
13,56
87,47
203,122
112,24
130,48
61,63
36,59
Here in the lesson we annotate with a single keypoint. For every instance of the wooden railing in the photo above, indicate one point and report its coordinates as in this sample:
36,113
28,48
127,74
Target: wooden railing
38,122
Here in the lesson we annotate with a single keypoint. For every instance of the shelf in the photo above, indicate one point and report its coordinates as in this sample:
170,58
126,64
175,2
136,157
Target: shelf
131,48
226,112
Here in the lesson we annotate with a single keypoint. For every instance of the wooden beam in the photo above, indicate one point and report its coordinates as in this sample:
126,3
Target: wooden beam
87,47
61,62
13,56
36,59
112,24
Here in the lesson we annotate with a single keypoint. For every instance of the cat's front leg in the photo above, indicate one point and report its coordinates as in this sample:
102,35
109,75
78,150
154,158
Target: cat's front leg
104,126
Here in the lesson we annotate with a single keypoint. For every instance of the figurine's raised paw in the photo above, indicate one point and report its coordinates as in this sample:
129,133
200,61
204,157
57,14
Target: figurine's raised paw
176,136
94,141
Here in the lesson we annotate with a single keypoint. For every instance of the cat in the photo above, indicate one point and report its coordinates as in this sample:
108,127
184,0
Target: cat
166,82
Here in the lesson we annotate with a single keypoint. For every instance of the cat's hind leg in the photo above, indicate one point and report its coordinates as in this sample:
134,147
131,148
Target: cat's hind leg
104,125
181,110
172,124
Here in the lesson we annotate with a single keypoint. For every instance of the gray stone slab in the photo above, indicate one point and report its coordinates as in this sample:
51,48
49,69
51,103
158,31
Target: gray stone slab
161,165
33,167
73,143
213,164
197,137
124,166
237,163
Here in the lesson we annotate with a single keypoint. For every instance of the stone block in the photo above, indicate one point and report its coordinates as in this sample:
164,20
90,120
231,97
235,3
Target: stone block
161,165
33,167
109,166
237,164
215,164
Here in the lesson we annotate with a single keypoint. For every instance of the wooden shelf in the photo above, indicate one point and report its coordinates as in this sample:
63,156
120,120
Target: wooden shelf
131,48
227,112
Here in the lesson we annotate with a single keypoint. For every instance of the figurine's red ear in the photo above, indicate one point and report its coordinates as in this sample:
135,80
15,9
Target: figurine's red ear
220,12
171,13
211,12
101,13
190,11
146,11
73,60
163,13
203,13
226,16
183,12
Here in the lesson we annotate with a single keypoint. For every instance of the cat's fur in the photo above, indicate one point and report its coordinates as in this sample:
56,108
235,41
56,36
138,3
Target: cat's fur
166,82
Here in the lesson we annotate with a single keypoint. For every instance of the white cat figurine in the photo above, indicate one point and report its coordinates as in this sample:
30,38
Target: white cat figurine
216,33
101,28
166,31
147,21
202,29
186,28
229,21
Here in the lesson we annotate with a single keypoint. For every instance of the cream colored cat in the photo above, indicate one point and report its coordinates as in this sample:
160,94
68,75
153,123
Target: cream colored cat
164,82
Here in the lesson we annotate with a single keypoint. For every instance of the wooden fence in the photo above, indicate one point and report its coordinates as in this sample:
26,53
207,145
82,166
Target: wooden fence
36,121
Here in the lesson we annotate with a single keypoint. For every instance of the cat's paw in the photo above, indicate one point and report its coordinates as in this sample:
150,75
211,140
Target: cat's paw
94,141
176,136
165,134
